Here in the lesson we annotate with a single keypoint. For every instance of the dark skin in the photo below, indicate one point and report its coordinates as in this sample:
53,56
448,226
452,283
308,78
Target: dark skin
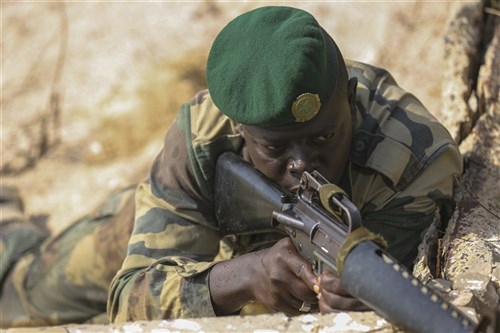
278,277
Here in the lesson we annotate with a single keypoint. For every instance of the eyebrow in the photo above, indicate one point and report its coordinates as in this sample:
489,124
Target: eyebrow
266,139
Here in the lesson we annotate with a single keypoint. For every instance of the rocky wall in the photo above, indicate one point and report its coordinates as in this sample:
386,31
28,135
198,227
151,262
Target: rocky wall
464,263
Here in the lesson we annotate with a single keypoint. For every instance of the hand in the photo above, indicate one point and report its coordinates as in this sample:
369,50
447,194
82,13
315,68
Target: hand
332,298
284,280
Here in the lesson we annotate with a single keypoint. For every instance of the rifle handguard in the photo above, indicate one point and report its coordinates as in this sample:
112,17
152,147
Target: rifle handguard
361,234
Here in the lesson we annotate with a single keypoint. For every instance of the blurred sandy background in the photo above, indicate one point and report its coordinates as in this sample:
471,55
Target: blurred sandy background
89,88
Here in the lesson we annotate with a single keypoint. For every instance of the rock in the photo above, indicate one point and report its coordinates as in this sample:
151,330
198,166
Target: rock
462,40
470,248
276,323
472,241
440,285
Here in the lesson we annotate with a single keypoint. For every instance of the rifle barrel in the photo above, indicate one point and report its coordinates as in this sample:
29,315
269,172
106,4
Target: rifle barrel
386,286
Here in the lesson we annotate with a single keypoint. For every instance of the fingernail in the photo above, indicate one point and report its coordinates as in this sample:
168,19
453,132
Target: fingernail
316,289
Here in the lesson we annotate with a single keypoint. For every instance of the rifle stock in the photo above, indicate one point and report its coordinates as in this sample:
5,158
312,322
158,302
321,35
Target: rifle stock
248,202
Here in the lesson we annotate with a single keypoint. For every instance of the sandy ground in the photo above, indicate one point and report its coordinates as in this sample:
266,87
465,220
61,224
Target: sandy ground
118,71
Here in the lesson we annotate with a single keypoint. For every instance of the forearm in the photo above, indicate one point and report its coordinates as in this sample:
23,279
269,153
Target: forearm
230,283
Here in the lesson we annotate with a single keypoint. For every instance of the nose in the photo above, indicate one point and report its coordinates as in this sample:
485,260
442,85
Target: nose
302,160
295,167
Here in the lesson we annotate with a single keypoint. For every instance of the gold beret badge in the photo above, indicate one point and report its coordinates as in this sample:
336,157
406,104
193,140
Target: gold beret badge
305,107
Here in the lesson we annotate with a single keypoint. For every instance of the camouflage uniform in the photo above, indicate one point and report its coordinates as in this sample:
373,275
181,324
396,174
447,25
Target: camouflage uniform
399,173
66,278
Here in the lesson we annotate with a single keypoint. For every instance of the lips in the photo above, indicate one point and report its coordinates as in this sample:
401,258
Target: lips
291,184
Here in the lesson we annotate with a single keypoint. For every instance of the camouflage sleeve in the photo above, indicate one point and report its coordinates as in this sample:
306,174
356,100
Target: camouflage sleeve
409,212
174,240
402,161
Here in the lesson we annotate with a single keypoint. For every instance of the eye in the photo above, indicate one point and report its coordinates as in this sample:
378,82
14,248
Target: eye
325,138
274,147
271,147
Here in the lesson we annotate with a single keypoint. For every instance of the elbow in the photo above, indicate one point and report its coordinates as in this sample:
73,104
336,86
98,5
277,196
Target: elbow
130,298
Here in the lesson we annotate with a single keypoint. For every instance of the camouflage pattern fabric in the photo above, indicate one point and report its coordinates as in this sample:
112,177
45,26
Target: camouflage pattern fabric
14,222
400,173
66,278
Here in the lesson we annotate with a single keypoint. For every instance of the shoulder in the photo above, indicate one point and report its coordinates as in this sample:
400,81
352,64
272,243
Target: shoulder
204,121
208,133
368,75
394,133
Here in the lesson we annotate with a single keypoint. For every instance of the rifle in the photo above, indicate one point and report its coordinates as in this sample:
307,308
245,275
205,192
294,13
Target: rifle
326,229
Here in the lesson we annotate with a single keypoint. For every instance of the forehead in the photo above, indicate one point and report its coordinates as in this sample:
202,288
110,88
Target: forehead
333,114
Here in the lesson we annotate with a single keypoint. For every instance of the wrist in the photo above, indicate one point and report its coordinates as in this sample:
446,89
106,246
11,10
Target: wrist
231,283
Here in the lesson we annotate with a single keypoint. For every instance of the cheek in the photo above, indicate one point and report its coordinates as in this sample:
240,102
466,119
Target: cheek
335,162
272,167
272,170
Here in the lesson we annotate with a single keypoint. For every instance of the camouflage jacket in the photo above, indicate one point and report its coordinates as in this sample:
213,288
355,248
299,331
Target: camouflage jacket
400,170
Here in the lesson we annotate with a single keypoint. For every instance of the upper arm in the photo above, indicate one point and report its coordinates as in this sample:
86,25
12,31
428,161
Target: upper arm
172,213
409,212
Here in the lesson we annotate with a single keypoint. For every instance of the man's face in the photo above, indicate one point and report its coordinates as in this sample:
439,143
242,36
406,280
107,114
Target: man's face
322,144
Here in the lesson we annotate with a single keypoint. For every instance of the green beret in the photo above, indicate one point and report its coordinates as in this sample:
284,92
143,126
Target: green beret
272,67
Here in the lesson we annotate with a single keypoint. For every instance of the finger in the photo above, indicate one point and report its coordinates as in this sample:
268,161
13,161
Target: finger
294,301
329,302
302,309
299,281
302,270
306,274
314,307
331,283
326,308
308,297
288,298
291,306
300,291
292,312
